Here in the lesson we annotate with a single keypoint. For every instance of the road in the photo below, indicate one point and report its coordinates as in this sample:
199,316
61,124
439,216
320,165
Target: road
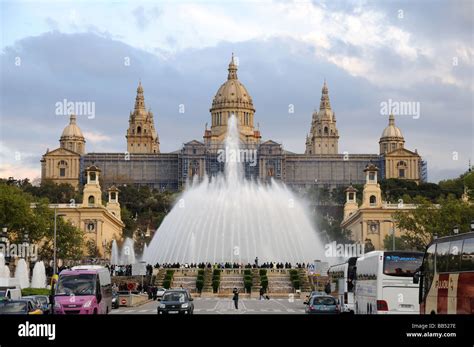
226,306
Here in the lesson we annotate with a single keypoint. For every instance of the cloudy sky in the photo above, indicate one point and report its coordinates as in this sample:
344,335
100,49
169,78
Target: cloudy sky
369,53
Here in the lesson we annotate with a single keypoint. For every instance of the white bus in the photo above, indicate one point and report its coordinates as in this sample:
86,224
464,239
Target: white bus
384,283
342,279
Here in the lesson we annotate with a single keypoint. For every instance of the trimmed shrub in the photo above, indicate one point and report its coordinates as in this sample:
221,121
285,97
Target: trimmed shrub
199,285
35,291
264,282
215,285
263,272
167,283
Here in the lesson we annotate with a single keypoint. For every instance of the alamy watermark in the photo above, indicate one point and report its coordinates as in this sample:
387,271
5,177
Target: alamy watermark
20,250
400,108
229,155
344,250
78,108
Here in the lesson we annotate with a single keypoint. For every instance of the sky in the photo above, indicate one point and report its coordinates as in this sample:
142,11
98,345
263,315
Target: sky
370,53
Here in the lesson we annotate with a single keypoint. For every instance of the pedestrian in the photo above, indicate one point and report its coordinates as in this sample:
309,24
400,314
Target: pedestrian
327,288
236,298
262,292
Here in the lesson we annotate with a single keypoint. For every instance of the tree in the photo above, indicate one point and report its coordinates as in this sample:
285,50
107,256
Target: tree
18,216
429,220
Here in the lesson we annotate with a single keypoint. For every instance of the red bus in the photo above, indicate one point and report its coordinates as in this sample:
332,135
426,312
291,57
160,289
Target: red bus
446,276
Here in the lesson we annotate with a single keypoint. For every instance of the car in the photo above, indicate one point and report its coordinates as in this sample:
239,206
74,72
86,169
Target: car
43,302
36,301
322,304
176,301
160,292
19,307
313,293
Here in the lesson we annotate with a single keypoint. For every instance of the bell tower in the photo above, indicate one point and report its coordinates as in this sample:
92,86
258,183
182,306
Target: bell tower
351,201
372,194
323,137
141,134
92,195
113,204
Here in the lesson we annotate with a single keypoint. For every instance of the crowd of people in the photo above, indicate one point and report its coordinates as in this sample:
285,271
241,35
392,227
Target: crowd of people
228,265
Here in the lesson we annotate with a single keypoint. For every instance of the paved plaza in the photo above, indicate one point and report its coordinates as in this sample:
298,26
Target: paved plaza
226,306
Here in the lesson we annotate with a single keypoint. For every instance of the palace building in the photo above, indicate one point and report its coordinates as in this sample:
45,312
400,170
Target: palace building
142,163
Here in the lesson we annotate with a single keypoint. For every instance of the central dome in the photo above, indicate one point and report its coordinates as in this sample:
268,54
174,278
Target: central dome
72,129
392,130
232,93
232,98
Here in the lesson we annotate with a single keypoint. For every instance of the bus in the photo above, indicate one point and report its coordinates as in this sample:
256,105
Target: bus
446,276
342,278
384,282
85,289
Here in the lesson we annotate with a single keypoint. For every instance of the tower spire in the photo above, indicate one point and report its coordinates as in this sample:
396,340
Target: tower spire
140,99
325,104
232,69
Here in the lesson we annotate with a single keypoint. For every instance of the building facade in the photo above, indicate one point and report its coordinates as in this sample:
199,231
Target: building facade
373,220
143,164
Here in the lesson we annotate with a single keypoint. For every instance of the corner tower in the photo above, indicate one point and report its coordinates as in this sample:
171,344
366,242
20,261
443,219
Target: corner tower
141,134
323,137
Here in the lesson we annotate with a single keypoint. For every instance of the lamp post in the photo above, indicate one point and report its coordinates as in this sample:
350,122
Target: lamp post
56,215
456,230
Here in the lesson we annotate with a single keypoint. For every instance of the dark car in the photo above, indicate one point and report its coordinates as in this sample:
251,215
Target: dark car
41,302
19,307
176,301
322,304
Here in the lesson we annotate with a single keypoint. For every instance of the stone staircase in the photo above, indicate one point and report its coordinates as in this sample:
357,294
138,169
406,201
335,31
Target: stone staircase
279,282
185,278
160,276
231,279
305,284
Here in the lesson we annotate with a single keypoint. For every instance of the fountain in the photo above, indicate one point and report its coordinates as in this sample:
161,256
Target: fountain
114,257
127,255
231,219
38,279
21,273
145,247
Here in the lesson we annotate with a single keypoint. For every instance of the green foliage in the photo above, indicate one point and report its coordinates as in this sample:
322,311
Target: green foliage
166,283
199,284
248,272
401,243
19,218
295,279
248,283
263,272
264,282
92,250
35,291
429,219
216,279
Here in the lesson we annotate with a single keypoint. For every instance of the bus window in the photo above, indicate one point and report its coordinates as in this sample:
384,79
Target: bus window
401,264
428,269
454,258
442,255
467,257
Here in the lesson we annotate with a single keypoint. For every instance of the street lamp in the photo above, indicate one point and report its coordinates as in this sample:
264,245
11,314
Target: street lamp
56,215
456,230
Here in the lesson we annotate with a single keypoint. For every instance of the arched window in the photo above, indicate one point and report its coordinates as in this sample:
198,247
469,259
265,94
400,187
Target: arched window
372,200
326,130
91,200
139,130
62,166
